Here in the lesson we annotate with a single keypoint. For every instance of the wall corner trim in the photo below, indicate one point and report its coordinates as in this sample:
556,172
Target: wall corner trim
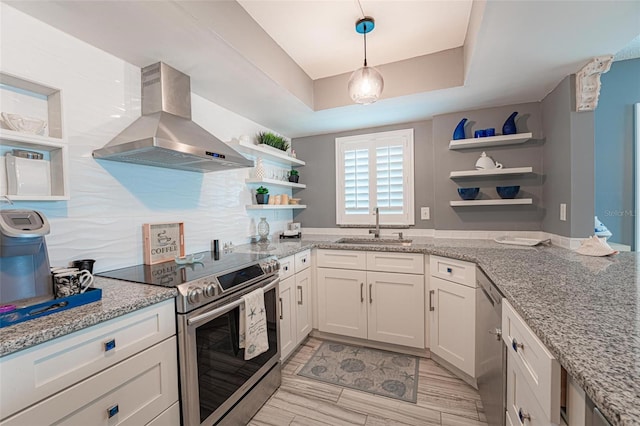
588,82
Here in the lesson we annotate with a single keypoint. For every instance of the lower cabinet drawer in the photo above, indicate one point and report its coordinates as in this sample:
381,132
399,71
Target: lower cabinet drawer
33,374
287,267
302,260
342,259
540,369
407,263
133,392
522,404
458,271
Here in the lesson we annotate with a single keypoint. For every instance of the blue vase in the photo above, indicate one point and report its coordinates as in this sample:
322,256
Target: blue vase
458,133
509,126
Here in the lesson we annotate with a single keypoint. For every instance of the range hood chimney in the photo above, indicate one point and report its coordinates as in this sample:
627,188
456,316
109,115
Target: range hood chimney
165,136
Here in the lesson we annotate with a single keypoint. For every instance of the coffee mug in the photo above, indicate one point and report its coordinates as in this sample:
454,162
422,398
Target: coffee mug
70,281
479,134
84,264
491,131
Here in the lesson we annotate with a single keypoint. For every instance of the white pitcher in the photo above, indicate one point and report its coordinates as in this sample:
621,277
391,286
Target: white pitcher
486,163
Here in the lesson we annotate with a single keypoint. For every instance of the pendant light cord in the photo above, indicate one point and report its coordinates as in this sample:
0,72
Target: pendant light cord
365,45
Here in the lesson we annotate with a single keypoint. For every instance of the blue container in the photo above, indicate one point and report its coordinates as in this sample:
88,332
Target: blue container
458,133
468,193
508,191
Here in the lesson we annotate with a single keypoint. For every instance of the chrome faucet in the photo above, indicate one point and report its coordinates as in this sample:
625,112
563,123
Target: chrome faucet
376,232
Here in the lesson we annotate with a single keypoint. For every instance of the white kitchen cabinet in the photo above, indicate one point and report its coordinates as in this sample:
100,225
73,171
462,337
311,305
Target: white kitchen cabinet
295,301
396,308
452,311
287,317
381,306
523,407
341,302
130,361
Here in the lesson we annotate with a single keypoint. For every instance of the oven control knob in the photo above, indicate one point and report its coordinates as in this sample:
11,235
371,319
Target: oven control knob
193,296
210,290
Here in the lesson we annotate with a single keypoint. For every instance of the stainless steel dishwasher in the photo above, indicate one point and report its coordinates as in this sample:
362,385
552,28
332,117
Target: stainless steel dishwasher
491,352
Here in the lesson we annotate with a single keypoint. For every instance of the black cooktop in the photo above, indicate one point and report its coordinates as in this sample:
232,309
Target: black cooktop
171,274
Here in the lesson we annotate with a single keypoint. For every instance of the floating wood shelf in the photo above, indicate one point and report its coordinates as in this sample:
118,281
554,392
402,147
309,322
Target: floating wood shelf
492,172
275,182
506,202
501,140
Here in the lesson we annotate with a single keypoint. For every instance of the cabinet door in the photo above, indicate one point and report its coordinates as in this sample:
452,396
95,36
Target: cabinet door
303,304
287,317
522,405
452,322
341,302
396,308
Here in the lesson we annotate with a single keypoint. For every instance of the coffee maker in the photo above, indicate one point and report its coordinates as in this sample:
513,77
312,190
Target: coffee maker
25,276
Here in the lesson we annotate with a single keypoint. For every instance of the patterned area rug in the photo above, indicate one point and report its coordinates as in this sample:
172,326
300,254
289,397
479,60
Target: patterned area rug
370,370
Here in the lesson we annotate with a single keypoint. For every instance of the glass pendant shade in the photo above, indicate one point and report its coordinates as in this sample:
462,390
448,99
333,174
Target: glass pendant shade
365,85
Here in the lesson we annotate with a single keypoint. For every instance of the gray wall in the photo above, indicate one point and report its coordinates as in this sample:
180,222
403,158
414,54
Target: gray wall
568,157
519,217
320,174
614,189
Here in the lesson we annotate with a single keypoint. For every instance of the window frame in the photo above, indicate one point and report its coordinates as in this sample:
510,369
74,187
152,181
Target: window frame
371,141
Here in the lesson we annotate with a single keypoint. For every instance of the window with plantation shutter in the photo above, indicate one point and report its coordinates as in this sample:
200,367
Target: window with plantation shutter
375,170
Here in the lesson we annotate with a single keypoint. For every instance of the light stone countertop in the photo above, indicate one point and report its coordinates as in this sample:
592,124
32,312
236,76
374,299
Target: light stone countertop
585,310
118,298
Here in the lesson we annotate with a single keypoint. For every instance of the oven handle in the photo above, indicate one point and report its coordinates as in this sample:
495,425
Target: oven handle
226,308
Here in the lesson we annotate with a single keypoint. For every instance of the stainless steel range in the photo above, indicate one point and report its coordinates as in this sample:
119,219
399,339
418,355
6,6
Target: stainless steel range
217,385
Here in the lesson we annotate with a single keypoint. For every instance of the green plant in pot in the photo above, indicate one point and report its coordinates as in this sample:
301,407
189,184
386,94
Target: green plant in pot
271,139
262,195
294,176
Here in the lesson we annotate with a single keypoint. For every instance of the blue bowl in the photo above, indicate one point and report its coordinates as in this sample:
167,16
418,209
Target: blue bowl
468,193
508,191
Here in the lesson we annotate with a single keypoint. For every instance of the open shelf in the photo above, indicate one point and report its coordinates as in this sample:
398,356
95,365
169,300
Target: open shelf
58,158
266,153
275,182
501,140
275,206
491,172
505,202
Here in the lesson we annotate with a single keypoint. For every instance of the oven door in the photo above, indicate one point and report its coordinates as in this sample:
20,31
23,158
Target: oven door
214,375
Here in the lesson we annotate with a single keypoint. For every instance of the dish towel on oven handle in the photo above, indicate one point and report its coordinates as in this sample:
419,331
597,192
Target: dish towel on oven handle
253,325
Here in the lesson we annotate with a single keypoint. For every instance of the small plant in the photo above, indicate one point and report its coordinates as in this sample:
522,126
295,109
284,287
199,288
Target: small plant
293,172
271,139
294,176
262,190
262,195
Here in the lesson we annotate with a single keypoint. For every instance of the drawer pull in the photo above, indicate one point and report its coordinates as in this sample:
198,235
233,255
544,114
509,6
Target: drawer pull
431,293
281,308
304,260
300,288
111,344
496,332
361,292
449,270
523,416
286,268
112,411
370,293
515,345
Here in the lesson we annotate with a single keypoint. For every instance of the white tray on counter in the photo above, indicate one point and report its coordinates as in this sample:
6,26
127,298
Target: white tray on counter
519,241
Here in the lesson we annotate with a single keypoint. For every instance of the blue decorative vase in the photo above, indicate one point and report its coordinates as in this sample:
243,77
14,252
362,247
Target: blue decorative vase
509,126
458,133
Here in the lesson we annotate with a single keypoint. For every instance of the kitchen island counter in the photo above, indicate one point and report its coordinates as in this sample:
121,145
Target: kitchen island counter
118,298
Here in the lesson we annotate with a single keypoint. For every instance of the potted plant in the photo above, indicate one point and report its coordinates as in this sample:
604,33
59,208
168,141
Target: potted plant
294,176
262,195
271,139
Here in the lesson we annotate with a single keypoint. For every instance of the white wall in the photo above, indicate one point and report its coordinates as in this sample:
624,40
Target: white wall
110,201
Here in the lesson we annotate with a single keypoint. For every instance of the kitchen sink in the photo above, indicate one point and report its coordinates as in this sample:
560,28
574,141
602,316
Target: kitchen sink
376,241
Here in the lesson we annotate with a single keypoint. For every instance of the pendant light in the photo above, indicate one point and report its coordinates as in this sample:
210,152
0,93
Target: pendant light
366,83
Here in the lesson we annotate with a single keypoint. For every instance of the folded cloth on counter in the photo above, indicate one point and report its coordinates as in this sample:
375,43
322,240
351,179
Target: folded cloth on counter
594,246
253,325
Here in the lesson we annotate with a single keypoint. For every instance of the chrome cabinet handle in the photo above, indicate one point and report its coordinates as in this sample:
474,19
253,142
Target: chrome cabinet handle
515,345
300,288
431,293
281,307
370,293
523,416
496,332
361,292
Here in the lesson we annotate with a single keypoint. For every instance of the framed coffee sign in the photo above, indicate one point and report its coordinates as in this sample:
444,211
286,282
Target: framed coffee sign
163,242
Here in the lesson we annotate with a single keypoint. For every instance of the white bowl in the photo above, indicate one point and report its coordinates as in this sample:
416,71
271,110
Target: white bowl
22,124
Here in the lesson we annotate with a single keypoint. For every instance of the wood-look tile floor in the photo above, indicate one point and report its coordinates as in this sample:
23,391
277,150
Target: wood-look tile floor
443,400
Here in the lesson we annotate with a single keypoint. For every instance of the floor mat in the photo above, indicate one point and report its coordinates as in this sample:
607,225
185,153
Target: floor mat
370,370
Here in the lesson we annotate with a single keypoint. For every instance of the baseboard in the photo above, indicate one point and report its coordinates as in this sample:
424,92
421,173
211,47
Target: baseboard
455,371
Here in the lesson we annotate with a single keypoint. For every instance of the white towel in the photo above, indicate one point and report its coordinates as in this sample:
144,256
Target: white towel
253,325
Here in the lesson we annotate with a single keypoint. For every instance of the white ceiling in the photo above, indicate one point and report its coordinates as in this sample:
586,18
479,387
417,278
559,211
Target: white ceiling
320,36
514,51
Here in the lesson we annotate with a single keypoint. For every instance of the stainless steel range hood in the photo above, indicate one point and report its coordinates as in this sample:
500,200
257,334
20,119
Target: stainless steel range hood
165,136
